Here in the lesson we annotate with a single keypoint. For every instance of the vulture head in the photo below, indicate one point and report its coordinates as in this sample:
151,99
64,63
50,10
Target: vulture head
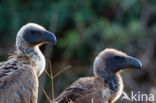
32,35
111,61
28,40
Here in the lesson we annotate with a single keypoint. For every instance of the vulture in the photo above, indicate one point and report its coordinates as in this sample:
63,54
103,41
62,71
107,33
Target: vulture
19,74
106,85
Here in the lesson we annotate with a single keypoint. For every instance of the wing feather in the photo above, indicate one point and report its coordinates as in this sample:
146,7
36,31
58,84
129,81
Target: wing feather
18,83
84,90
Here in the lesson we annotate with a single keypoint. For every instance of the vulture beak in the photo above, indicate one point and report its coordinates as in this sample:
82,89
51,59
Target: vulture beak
133,63
49,37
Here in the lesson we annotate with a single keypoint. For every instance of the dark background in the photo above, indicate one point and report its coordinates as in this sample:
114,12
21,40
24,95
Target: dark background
84,28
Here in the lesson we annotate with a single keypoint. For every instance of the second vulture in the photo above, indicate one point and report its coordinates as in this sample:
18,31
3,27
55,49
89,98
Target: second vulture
106,86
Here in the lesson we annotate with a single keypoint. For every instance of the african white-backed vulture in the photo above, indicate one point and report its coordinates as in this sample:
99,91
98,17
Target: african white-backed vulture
106,86
19,74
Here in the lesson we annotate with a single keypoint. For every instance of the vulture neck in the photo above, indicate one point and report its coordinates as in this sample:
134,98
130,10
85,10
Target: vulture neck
114,81
35,54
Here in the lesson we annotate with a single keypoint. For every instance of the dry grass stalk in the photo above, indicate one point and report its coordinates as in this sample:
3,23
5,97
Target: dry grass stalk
51,76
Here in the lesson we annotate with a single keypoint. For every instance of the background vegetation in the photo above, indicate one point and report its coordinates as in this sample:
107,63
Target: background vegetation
84,28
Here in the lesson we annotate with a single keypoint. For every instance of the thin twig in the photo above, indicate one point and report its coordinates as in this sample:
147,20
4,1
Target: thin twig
61,71
47,74
57,73
47,96
52,81
51,76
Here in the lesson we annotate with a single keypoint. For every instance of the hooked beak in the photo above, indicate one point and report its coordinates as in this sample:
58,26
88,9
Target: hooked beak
133,63
49,37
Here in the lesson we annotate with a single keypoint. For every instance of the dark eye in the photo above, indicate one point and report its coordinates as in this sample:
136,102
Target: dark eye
117,57
33,31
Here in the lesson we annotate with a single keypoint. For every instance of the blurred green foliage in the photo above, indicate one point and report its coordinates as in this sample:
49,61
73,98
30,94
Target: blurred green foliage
80,25
102,23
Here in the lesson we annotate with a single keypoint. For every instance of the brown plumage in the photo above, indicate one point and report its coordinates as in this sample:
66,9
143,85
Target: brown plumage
106,86
19,74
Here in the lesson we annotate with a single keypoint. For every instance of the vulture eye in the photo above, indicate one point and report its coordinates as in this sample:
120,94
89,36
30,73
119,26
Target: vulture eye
118,57
33,31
